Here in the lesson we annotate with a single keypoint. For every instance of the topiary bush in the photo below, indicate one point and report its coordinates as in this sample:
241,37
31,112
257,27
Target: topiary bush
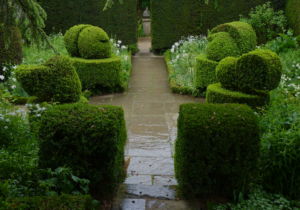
216,93
71,39
225,72
217,149
241,32
14,53
88,139
99,72
205,72
258,70
221,45
93,43
56,80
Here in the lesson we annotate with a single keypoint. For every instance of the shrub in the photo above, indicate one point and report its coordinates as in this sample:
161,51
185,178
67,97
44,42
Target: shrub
221,45
99,72
258,70
71,39
14,53
205,71
65,201
266,22
225,72
217,149
217,94
88,139
242,33
93,43
292,13
56,80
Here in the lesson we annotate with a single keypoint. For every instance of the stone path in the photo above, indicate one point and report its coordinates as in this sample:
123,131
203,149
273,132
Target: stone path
151,113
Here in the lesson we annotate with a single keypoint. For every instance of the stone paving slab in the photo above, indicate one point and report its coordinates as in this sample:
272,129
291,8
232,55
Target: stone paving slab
161,90
151,165
154,97
154,191
149,108
129,204
164,180
141,179
154,120
157,152
171,205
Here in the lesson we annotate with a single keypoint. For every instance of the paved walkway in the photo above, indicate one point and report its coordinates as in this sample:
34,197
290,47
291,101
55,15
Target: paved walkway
151,113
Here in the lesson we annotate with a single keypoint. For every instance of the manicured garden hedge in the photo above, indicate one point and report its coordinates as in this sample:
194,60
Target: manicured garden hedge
120,20
66,202
88,139
172,19
99,72
217,149
14,53
205,71
292,13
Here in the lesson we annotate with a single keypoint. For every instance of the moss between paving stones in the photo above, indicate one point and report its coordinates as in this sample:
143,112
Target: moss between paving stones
175,88
99,72
217,94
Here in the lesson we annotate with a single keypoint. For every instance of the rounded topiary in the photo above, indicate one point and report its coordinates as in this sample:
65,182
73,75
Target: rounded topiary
225,72
93,43
56,80
71,39
241,32
205,71
292,13
14,53
221,45
258,70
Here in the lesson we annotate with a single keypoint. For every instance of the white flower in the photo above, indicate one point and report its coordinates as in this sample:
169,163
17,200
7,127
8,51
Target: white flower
119,41
293,66
4,68
177,56
13,87
12,73
38,115
12,114
14,79
5,127
44,108
111,40
2,77
7,120
1,118
118,52
123,47
172,50
14,67
177,44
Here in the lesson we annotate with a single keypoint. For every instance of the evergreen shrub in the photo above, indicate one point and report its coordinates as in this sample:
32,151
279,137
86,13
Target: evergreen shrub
225,72
216,93
217,149
14,53
292,13
67,202
56,80
99,72
205,73
258,70
71,39
93,43
220,46
241,32
88,139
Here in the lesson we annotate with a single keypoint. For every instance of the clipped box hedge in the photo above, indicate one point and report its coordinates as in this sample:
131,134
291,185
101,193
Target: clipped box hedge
217,94
205,71
66,202
88,139
217,149
292,13
99,72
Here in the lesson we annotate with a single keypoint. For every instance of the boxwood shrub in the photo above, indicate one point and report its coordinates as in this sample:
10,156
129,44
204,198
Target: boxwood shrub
205,71
64,201
217,149
88,139
218,94
225,73
56,80
99,72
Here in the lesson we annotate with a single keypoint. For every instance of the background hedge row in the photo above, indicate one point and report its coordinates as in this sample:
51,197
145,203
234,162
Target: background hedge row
172,19
120,20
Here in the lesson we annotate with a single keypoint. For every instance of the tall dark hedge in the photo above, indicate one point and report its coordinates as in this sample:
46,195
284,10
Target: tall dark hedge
172,19
120,20
292,13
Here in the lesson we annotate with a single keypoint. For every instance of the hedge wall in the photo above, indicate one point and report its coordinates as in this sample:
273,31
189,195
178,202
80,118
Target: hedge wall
120,20
172,19
292,13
